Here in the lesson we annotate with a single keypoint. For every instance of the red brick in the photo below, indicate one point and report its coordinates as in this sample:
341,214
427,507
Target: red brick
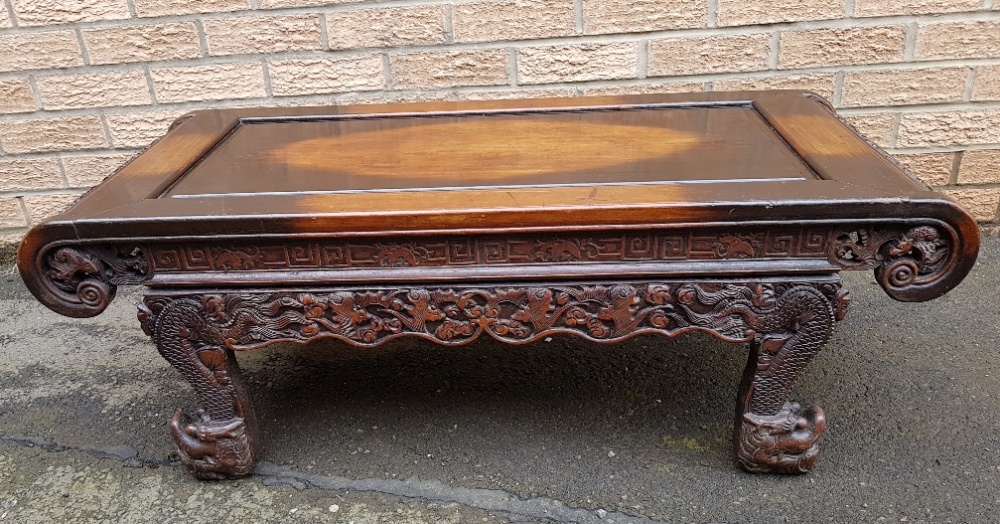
41,207
820,83
949,128
449,69
959,40
386,27
877,127
57,12
756,12
639,16
903,87
326,75
52,134
138,130
494,20
835,47
980,203
577,63
912,7
934,169
51,50
113,89
149,8
11,214
209,82
90,170
143,43
262,34
987,85
16,96
21,174
711,54
980,167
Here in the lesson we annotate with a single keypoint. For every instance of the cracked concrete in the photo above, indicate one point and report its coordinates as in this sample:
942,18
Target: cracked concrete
557,431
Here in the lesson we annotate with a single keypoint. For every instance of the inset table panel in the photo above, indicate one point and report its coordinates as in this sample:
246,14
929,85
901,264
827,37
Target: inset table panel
526,149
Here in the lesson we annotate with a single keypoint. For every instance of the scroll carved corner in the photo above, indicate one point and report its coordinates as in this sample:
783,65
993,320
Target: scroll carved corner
908,261
82,281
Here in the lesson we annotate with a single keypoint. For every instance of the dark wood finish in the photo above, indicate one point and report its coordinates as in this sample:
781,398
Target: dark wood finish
605,218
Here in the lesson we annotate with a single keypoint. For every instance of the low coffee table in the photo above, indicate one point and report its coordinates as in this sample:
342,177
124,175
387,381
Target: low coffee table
605,218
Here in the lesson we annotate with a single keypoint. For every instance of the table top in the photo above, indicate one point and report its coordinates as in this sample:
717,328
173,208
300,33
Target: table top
464,165
778,171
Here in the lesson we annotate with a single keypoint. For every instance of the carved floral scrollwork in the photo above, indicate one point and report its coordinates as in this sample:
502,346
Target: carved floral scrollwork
84,279
903,259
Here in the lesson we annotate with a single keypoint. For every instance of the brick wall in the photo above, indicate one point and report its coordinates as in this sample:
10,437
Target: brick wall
84,84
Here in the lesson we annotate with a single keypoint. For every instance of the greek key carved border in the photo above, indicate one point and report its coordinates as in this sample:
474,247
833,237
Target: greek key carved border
636,246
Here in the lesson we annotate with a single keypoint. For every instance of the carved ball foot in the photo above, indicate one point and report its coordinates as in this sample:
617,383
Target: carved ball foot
780,443
213,449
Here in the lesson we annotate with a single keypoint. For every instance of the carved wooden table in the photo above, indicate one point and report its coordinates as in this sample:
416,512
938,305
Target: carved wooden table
606,218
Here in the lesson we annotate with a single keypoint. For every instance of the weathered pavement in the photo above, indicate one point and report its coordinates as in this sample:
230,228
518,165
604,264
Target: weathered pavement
558,431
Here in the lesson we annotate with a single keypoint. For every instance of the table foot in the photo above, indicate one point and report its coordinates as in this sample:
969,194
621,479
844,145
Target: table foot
780,443
213,449
773,435
221,440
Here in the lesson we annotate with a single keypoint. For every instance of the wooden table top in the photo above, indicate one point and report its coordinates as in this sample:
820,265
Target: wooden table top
756,183
588,162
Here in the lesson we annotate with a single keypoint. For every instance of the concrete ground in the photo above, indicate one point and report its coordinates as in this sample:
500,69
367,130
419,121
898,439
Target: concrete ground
557,431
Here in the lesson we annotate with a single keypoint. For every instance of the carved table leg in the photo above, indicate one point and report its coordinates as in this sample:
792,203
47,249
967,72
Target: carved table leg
773,435
220,441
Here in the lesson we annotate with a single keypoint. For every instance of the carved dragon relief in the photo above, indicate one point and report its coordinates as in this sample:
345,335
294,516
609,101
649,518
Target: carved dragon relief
788,323
85,279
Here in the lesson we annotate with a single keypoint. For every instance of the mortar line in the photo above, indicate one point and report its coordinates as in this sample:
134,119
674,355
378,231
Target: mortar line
358,6
352,53
970,82
578,16
324,33
83,47
775,51
956,163
107,129
894,130
449,27
512,66
643,60
838,89
14,23
848,8
24,210
131,8
151,85
43,192
349,97
36,93
910,44
712,14
202,38
62,173
387,72
268,91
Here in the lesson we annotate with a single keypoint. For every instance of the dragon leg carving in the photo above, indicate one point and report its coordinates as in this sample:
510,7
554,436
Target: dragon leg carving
773,435
220,441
